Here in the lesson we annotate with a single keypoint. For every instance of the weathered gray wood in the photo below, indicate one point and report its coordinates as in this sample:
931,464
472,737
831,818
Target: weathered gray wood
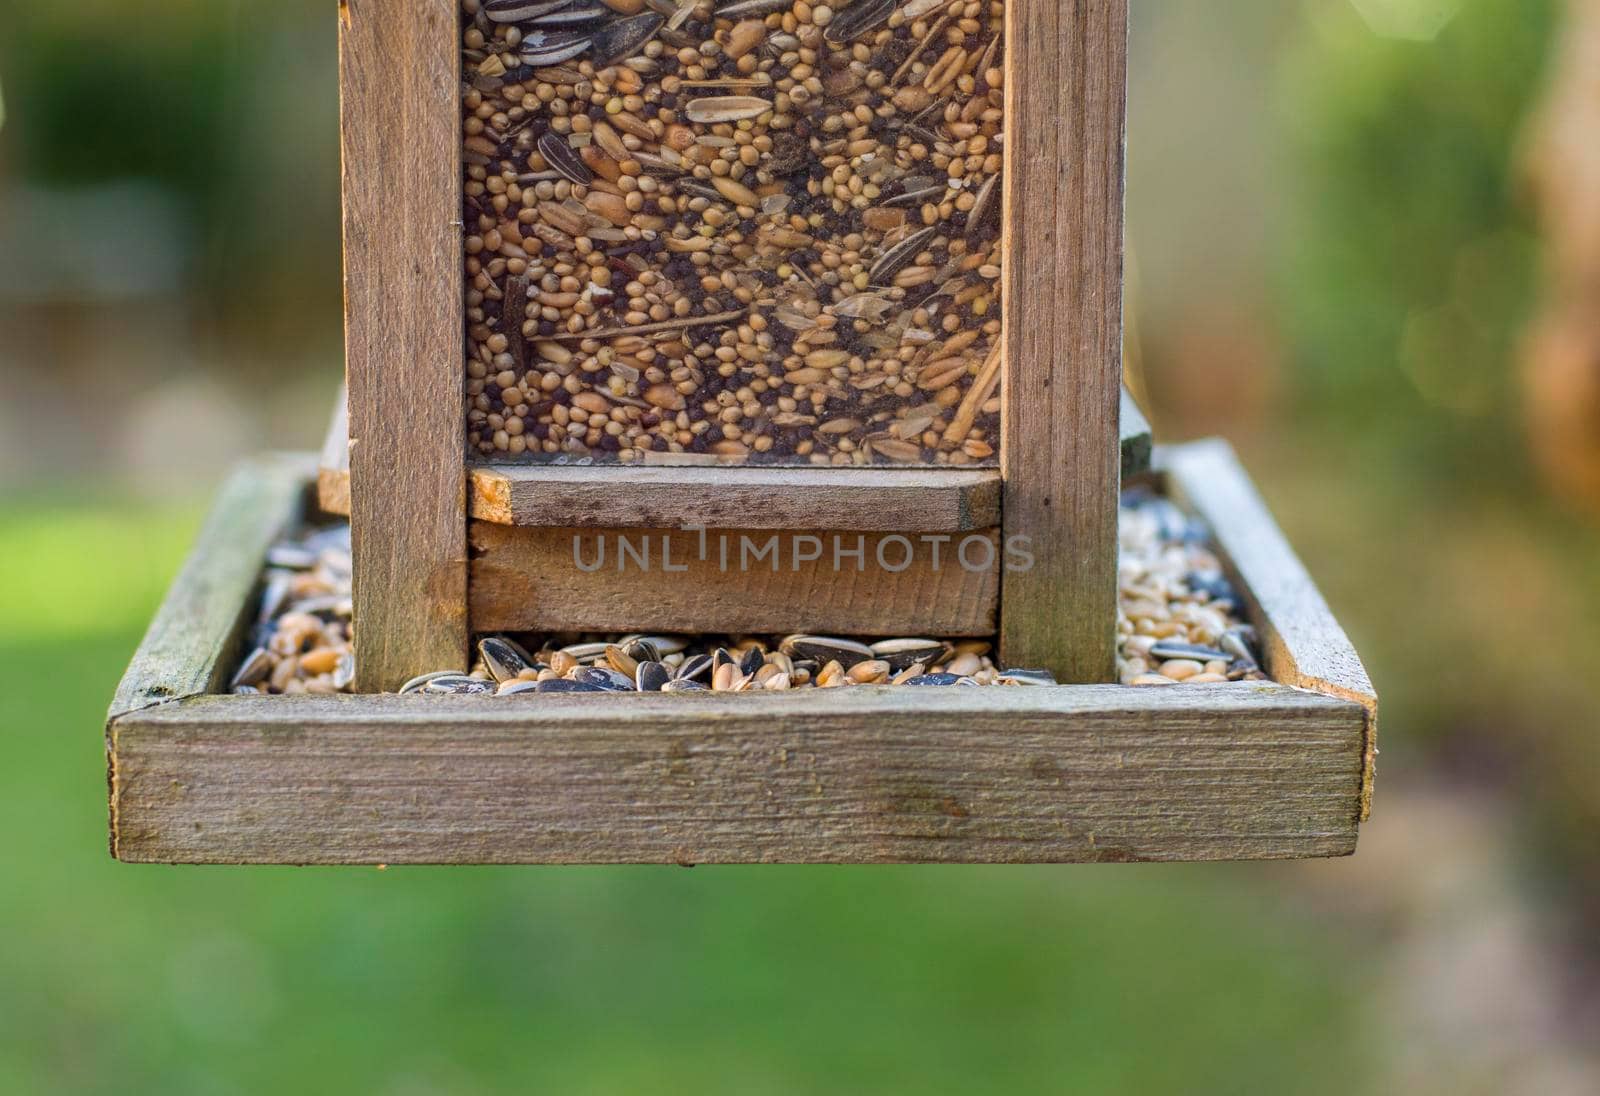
1302,642
189,648
529,579
1137,441
861,499
1065,774
1062,278
399,65
860,775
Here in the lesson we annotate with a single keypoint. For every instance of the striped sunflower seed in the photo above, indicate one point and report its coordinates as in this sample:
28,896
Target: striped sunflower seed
561,156
619,40
518,11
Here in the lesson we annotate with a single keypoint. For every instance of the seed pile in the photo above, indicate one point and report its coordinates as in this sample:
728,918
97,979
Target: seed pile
1177,623
640,663
302,631
755,230
1177,614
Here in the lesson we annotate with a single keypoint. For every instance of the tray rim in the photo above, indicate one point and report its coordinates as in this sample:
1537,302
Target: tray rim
173,685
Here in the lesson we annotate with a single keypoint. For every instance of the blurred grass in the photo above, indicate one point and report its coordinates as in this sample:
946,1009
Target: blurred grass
124,978
1336,268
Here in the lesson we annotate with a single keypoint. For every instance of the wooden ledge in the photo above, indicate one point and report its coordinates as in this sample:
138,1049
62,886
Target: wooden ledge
556,496
905,500
927,500
193,642
861,775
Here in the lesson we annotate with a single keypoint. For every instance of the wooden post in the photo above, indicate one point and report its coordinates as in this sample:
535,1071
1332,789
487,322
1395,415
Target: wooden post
1065,122
399,82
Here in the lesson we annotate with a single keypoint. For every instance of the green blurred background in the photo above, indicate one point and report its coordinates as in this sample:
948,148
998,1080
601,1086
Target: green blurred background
1336,258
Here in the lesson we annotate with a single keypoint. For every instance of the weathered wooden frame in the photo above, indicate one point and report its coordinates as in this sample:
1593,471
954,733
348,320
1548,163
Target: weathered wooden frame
400,146
524,522
1072,773
1066,96
408,490
859,500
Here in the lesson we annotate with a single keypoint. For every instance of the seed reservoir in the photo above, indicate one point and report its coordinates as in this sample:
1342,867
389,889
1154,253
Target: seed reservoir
765,231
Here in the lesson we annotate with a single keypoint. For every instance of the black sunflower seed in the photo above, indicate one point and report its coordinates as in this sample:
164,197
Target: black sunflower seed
752,7
903,653
415,685
642,650
562,685
504,658
459,684
694,667
541,48
573,15
938,679
752,660
825,649
517,11
652,677
254,669
1215,587
1026,677
857,19
561,157
623,38
1174,649
604,678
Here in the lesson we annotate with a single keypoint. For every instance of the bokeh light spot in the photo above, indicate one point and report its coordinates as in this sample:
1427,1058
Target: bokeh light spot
1415,20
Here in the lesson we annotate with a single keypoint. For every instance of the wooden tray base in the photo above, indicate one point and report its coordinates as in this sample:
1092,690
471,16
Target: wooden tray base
1066,774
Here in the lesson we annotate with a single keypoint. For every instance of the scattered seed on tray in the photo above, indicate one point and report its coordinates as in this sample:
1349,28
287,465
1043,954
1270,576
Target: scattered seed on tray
302,632
1177,623
666,663
1177,614
741,231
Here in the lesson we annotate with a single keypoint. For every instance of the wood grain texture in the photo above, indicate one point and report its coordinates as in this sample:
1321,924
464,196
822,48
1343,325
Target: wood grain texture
1098,773
1137,442
909,501
190,646
1062,278
193,643
529,579
921,500
333,464
399,81
864,499
862,775
1302,642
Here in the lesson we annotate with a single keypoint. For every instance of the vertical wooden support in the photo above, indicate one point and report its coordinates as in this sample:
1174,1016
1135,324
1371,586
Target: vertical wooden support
1065,122
399,73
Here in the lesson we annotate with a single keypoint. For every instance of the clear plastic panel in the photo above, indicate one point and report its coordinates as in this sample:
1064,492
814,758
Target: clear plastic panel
757,232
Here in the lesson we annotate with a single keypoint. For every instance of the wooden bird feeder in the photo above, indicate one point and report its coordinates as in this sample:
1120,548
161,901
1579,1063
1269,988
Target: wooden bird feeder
752,291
